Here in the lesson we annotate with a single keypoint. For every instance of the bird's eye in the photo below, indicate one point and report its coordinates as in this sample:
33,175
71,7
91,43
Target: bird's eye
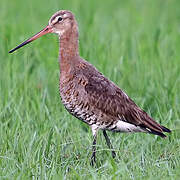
59,18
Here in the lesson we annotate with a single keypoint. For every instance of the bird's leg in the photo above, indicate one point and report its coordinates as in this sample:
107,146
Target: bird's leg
93,157
108,142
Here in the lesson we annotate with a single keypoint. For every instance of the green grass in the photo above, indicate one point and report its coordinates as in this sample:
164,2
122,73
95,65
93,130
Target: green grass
135,43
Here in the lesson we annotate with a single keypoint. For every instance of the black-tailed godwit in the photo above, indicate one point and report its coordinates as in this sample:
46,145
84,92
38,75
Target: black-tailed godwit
87,94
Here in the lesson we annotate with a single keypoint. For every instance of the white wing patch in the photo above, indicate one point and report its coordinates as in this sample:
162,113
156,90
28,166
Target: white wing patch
122,126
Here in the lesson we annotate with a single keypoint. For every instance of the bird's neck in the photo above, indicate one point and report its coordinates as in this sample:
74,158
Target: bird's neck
69,48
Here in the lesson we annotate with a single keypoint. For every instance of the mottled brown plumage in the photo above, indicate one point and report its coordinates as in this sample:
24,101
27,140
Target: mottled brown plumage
87,94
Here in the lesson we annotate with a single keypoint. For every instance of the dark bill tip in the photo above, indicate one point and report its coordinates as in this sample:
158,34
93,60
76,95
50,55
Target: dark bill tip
19,46
46,30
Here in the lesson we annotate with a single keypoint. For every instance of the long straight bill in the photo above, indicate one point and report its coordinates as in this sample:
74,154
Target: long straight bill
46,30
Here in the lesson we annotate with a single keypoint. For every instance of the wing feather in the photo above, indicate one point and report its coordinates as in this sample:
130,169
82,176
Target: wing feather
110,99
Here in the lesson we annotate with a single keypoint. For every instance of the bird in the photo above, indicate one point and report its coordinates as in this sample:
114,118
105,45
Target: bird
87,94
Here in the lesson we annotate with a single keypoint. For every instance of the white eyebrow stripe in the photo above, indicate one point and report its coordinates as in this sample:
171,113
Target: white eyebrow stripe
65,15
56,19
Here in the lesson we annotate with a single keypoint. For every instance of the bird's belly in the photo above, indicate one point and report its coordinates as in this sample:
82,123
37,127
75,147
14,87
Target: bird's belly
78,110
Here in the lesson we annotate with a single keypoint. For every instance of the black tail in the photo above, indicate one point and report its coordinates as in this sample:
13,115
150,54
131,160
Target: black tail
164,129
158,133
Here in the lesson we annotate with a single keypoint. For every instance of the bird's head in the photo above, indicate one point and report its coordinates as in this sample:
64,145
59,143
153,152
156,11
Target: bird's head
60,23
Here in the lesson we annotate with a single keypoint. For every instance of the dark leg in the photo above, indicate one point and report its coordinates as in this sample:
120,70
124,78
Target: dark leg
108,142
93,157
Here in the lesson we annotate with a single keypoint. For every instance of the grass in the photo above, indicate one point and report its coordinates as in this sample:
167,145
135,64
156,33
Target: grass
135,43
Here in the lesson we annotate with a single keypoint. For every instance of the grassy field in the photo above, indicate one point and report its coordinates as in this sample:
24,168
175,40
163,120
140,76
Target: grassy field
135,43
